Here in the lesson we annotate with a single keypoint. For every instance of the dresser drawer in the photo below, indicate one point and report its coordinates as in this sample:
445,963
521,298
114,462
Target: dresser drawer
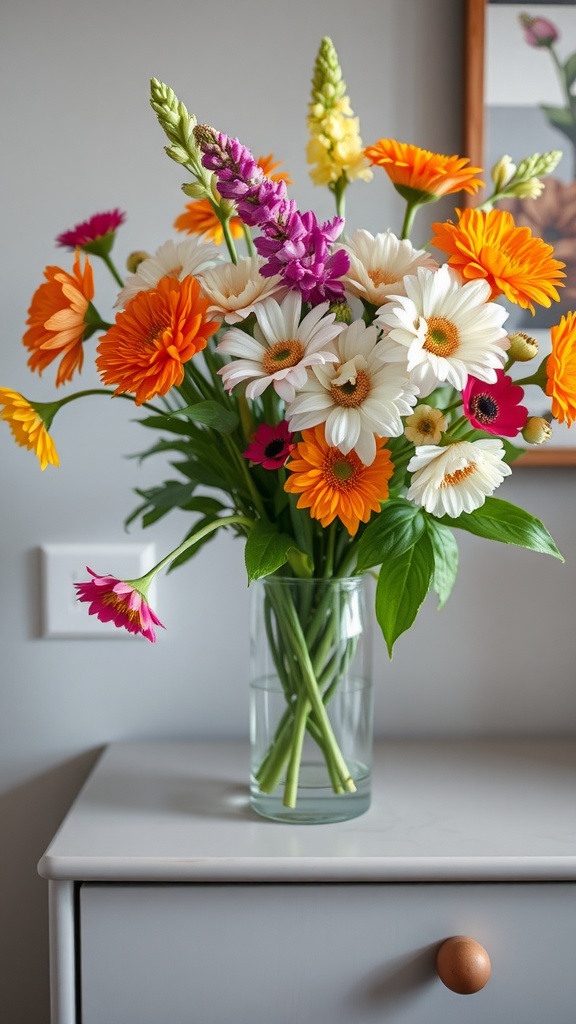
322,953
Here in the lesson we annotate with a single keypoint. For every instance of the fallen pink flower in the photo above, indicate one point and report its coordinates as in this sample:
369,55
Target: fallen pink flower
118,601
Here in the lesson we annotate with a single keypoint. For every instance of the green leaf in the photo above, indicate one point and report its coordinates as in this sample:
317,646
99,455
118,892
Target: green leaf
570,69
562,119
445,550
174,425
499,520
266,550
559,116
403,583
161,500
393,531
212,414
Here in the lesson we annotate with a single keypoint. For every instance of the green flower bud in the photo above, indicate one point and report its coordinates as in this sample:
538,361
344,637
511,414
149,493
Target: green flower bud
177,153
538,165
342,311
522,347
537,430
134,260
502,172
529,189
195,190
328,86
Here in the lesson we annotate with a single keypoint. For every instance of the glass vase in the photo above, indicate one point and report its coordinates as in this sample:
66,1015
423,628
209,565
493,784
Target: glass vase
311,709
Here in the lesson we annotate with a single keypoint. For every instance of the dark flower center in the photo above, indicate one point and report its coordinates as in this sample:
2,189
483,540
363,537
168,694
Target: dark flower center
274,448
484,408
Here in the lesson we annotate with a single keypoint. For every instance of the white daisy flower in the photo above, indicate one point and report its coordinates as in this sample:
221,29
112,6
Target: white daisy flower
456,479
282,348
361,396
449,328
173,259
379,264
234,290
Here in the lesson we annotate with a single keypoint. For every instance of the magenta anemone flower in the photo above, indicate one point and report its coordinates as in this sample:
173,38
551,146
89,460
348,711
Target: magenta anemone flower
118,601
93,234
270,446
495,407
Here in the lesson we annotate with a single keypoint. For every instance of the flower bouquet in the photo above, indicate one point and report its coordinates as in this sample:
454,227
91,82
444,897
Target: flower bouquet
340,400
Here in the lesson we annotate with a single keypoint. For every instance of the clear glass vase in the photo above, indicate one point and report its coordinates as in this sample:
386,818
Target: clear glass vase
311,709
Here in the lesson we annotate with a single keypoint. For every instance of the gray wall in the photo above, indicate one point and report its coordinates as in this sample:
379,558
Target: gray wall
79,136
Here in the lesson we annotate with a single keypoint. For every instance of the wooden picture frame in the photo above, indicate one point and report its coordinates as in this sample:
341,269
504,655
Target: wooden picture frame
474,147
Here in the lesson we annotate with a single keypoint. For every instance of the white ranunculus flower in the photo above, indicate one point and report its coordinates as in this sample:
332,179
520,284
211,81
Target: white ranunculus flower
172,259
379,264
457,478
235,289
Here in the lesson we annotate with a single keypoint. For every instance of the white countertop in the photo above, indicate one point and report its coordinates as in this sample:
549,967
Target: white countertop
453,810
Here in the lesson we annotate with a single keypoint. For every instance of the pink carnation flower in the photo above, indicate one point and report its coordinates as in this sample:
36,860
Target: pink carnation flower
83,235
118,601
270,446
495,408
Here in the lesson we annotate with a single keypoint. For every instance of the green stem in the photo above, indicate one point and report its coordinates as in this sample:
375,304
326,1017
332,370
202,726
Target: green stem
339,190
310,683
250,248
143,582
303,708
411,208
108,261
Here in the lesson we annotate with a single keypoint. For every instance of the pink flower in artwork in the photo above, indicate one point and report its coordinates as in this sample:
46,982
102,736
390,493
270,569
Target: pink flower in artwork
270,446
88,232
538,31
120,602
495,407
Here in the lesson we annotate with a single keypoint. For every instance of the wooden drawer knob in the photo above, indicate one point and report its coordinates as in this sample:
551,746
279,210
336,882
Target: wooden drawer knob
463,965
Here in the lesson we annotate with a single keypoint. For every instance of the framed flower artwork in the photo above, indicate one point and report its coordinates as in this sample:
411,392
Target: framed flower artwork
520,99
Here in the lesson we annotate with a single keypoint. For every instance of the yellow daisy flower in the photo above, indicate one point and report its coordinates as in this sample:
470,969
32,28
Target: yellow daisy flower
28,427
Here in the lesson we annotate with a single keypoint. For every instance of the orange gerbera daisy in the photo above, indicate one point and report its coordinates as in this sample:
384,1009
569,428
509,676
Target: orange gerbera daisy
199,217
268,165
158,331
419,174
334,485
513,261
561,370
28,427
57,319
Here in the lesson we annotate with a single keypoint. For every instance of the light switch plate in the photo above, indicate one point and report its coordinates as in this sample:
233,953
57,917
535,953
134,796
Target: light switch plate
63,565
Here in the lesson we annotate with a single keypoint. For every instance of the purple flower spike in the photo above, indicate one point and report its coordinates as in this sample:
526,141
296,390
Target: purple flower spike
294,245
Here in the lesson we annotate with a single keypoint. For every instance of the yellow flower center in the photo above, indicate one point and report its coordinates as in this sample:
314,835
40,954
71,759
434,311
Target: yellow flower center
340,471
380,276
282,355
442,338
451,479
352,392
120,604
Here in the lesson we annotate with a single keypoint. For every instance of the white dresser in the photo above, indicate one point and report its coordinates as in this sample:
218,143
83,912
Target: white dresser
171,902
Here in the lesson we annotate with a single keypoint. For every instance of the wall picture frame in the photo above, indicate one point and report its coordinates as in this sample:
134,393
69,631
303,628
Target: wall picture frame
515,104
